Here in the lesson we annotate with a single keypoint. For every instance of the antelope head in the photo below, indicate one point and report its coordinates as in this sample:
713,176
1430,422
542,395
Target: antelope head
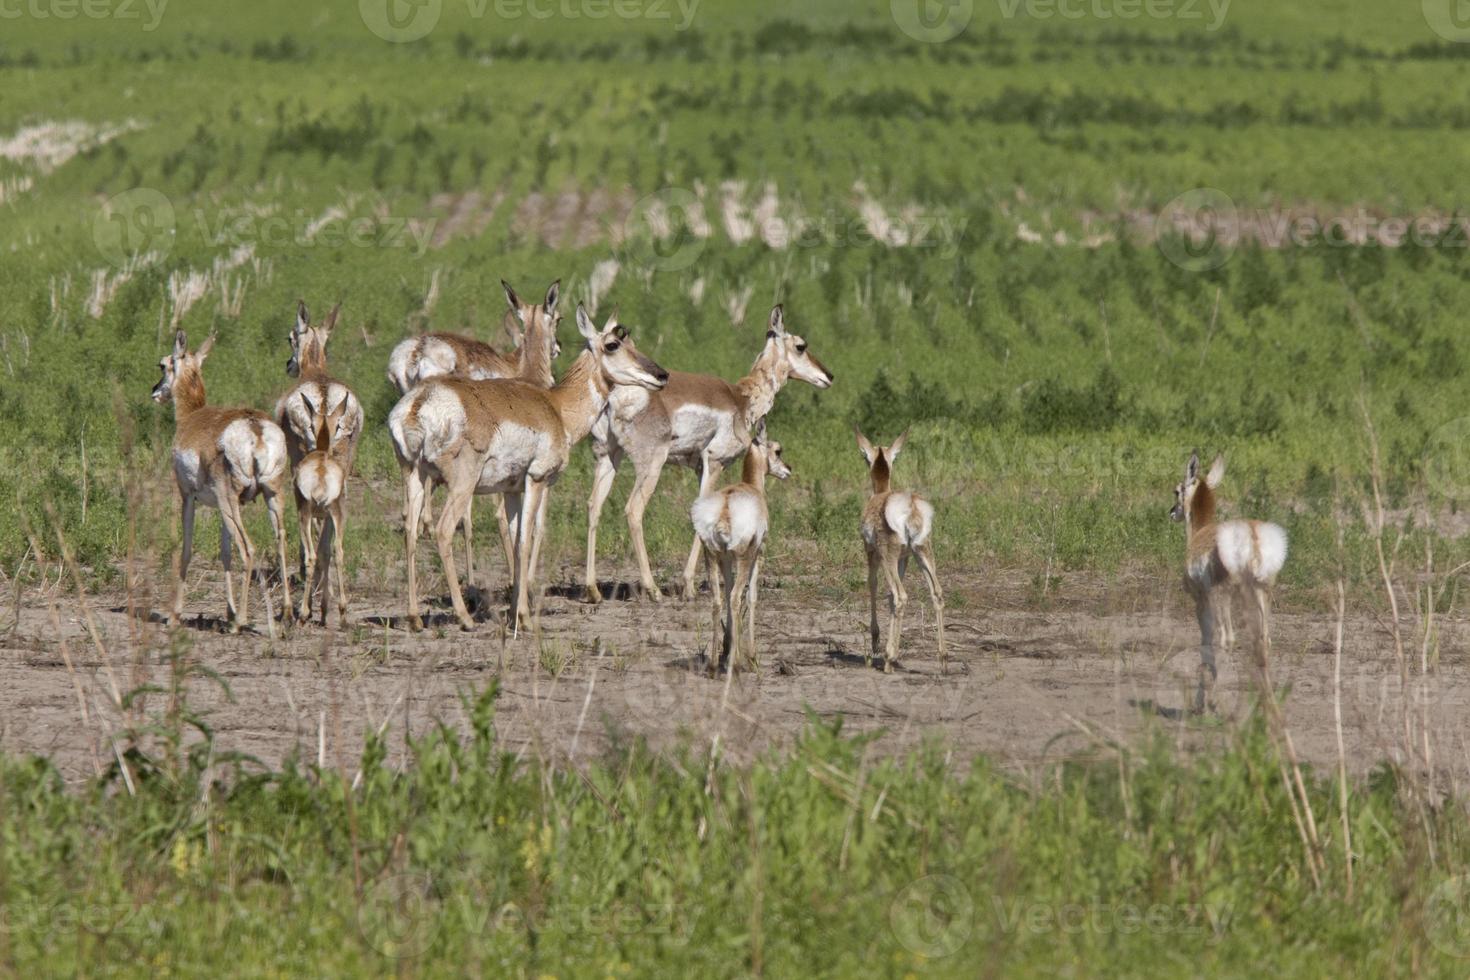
880,458
528,322
798,360
308,343
1188,494
182,369
616,357
769,451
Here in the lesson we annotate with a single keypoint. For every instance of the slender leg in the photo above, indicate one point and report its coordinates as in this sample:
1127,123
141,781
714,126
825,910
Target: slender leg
309,568
1204,610
502,524
469,544
230,515
319,588
602,484
449,518
900,600
729,592
275,506
712,568
224,560
1263,611
525,545
339,563
709,475
186,552
644,484
414,505
307,544
752,584
924,554
538,537
873,632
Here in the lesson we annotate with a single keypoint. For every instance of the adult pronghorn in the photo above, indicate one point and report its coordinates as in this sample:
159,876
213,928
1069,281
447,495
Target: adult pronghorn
1223,558
698,421
532,330
302,413
731,523
505,437
896,525
223,457
435,355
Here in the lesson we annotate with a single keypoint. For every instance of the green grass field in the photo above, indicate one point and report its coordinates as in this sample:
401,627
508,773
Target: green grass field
964,232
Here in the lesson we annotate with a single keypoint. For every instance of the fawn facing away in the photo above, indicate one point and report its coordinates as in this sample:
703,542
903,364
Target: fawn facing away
223,457
1223,559
731,524
303,413
321,484
896,524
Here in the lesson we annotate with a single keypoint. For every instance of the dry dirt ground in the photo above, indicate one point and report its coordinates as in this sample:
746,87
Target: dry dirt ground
1102,660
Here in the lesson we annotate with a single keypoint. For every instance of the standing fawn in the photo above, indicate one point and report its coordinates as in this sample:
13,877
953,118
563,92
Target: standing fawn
1222,559
731,524
321,483
505,437
532,329
223,457
698,421
896,524
302,413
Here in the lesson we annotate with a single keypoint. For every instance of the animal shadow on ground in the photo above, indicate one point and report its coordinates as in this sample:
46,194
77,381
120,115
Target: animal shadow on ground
576,591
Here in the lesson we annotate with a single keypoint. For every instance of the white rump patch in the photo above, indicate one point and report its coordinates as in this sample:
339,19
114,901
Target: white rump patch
911,518
732,519
1251,551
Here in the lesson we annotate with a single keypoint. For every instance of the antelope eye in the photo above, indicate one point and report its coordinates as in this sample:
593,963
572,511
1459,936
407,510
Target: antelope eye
801,348
612,347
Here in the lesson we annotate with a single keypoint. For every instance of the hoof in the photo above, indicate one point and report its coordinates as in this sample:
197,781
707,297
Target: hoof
653,593
415,623
593,595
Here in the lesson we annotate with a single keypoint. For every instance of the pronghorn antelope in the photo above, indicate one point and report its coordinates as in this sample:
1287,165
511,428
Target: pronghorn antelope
532,331
505,437
1223,558
321,482
223,457
731,523
697,421
302,413
896,524
434,355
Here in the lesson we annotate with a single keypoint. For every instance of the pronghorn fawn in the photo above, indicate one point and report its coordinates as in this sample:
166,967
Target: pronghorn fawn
697,421
223,457
896,525
1223,559
302,413
321,483
532,331
731,523
505,437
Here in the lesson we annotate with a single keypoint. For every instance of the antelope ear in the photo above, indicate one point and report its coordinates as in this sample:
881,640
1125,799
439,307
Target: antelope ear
181,344
1217,472
778,321
303,318
512,325
331,320
205,348
612,320
897,446
584,324
758,434
553,293
866,447
1191,468
513,300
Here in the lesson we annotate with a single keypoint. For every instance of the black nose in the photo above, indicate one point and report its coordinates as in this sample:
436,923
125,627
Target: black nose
662,375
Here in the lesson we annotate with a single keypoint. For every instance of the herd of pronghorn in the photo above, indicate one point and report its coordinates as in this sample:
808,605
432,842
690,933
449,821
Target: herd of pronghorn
478,421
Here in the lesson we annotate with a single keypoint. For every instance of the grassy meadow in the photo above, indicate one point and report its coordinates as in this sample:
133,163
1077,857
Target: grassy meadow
964,230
